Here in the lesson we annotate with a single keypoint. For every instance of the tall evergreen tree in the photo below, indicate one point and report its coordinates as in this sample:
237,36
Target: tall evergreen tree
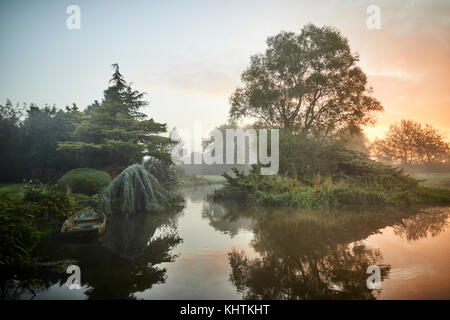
115,133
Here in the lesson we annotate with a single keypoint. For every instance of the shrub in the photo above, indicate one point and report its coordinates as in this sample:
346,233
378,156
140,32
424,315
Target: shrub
307,158
85,181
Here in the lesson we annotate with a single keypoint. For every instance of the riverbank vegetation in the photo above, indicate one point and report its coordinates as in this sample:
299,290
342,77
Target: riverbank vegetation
329,191
34,212
325,173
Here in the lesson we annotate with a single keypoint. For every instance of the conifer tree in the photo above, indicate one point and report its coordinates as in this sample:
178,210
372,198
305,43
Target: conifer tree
115,133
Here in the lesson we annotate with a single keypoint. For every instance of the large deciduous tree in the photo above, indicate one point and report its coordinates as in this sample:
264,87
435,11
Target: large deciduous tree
308,82
114,133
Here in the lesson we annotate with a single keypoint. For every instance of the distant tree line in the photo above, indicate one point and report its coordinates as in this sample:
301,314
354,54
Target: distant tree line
409,142
44,142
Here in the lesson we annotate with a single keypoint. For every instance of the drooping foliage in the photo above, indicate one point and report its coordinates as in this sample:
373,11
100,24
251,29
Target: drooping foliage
134,191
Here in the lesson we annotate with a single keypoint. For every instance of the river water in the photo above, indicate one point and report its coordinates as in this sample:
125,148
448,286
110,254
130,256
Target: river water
213,251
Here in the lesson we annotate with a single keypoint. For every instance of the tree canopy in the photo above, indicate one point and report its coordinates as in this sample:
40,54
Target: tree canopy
308,82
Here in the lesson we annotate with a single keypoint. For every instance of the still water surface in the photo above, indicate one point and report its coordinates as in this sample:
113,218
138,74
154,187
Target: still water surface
213,251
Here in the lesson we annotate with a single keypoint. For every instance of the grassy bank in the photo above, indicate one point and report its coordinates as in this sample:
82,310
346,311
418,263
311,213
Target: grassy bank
435,179
195,180
391,189
12,191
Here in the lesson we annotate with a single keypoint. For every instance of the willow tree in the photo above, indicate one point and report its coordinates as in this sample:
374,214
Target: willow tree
115,133
308,82
136,191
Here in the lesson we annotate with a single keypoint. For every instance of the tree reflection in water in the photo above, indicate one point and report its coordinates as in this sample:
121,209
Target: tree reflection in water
301,259
315,255
123,264
432,222
137,244
220,219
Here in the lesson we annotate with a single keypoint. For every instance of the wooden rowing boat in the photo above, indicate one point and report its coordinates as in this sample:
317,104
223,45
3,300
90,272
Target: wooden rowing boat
88,222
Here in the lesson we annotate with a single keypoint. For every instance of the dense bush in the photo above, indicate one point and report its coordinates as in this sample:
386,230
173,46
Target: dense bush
85,181
306,158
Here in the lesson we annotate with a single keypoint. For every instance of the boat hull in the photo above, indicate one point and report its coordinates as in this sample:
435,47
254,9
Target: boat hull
86,223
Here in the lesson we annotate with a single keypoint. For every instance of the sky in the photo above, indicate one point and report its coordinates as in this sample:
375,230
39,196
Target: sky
188,55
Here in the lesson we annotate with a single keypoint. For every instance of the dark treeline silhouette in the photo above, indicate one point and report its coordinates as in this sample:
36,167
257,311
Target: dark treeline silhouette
28,146
44,142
